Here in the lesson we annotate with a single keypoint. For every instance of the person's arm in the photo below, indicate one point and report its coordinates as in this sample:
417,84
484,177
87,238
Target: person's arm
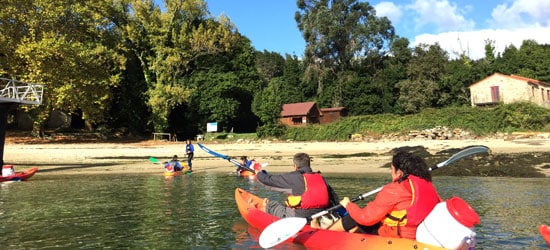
288,181
376,210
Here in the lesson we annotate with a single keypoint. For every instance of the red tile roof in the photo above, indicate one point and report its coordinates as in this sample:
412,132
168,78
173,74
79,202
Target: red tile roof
294,109
521,78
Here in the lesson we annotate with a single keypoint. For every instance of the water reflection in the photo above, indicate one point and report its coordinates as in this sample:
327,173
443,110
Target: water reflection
198,211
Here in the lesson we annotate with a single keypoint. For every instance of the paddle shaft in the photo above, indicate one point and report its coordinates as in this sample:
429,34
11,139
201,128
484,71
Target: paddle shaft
466,152
225,157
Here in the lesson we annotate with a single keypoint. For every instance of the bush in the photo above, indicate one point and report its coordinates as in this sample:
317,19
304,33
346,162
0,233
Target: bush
271,130
480,121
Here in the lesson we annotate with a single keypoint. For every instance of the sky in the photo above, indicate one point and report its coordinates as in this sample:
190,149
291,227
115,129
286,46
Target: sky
457,25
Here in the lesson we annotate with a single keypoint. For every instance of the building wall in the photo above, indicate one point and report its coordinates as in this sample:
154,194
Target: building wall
294,120
510,90
329,116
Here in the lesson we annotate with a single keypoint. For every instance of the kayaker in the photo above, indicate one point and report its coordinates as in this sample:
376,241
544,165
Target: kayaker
399,207
302,200
173,165
190,150
244,162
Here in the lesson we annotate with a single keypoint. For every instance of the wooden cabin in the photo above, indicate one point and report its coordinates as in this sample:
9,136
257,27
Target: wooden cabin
303,113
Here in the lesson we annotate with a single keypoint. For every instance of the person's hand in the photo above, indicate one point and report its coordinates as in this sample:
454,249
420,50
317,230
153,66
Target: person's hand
344,202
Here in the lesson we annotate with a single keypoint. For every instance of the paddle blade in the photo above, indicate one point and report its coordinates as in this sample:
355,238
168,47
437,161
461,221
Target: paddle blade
280,231
153,160
466,152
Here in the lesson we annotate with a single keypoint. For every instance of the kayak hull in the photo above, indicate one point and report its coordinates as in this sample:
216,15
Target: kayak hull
178,173
545,233
19,176
249,174
319,238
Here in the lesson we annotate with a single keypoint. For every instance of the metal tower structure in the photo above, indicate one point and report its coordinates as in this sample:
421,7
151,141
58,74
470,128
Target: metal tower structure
13,92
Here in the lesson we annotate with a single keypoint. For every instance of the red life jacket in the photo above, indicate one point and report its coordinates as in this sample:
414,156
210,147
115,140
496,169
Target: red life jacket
314,196
424,199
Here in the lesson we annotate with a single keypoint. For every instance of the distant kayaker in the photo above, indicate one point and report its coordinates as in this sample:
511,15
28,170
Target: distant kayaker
250,164
173,165
189,150
302,200
399,207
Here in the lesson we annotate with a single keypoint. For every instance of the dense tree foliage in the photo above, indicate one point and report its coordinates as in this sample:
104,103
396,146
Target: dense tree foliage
339,34
136,67
69,47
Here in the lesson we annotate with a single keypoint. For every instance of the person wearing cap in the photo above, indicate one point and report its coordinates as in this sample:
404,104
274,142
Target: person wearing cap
173,165
399,207
308,192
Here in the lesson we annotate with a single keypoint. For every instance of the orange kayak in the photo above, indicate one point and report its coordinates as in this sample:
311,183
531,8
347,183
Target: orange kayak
19,176
319,238
545,233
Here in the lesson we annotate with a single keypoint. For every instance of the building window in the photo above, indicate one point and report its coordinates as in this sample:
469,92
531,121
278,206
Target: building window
548,94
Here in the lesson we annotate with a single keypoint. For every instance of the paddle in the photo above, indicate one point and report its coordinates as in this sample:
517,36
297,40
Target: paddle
154,160
225,157
285,228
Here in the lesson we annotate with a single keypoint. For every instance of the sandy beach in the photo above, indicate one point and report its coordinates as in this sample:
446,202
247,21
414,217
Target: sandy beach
78,158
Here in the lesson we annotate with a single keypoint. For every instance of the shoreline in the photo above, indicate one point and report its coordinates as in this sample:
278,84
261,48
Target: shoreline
118,157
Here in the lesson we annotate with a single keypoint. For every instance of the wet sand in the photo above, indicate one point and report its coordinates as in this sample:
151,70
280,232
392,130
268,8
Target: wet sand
108,158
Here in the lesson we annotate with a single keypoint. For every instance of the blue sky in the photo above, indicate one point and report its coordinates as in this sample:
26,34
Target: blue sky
459,25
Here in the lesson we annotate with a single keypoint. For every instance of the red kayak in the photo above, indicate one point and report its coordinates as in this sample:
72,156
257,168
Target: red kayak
19,176
545,233
319,238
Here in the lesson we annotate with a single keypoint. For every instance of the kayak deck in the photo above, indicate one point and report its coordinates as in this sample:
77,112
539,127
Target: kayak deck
319,238
19,176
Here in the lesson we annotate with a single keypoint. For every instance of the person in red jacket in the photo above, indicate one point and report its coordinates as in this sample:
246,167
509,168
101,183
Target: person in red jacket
399,207
308,192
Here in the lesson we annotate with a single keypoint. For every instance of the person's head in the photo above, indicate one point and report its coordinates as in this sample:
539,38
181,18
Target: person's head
302,161
244,159
188,142
404,164
175,157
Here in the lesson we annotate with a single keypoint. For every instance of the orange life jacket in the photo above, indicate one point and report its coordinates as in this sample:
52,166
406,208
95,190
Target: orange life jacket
424,199
314,196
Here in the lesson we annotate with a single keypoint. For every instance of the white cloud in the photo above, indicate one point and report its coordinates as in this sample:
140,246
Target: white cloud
389,10
441,15
522,13
473,42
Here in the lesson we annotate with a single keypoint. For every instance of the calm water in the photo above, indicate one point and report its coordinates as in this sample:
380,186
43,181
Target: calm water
199,212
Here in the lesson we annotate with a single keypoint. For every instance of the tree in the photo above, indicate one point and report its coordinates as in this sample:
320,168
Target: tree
168,44
338,33
425,71
68,47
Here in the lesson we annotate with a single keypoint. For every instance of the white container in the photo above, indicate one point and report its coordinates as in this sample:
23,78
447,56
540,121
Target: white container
449,225
7,170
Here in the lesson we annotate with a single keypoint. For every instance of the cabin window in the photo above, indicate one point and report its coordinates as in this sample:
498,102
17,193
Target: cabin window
296,120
